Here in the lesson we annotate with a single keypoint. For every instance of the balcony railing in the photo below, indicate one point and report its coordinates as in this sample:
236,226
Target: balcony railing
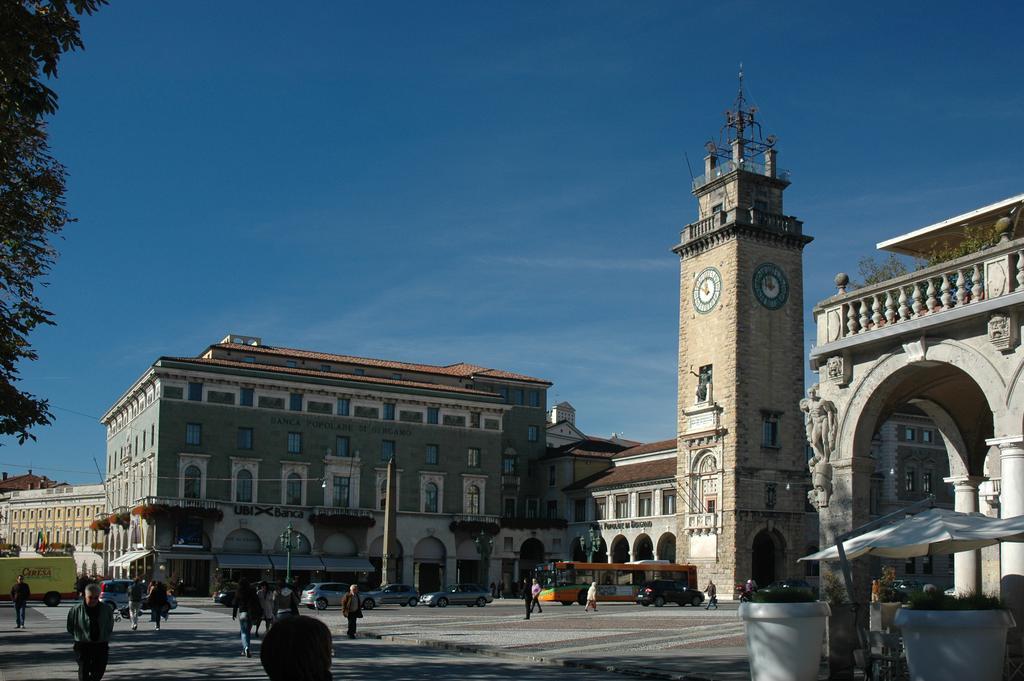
475,518
509,480
726,167
183,502
772,222
702,523
927,294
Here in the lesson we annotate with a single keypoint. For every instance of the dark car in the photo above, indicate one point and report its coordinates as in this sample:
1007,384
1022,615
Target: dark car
662,591
902,588
783,584
224,597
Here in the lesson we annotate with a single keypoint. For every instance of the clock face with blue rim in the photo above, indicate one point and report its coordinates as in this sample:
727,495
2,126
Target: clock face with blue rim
707,289
771,288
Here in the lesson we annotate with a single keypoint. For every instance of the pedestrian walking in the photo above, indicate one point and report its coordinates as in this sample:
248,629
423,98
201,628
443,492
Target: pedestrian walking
91,625
298,649
527,596
136,592
494,590
157,600
19,596
81,583
286,602
712,592
535,592
246,609
266,600
352,609
591,598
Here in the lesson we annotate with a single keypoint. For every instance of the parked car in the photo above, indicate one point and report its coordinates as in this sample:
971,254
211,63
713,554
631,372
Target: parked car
459,594
389,594
783,584
661,591
319,595
114,592
224,597
905,587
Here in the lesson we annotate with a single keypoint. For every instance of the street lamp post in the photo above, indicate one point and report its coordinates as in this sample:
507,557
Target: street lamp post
287,545
484,545
591,543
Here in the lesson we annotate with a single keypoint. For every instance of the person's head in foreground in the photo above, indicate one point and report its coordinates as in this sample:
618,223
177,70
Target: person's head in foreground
297,649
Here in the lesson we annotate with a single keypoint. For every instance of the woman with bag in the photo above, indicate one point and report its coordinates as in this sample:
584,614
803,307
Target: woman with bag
157,602
351,609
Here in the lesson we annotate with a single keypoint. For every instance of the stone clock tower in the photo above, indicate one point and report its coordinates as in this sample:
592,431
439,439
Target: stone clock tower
742,468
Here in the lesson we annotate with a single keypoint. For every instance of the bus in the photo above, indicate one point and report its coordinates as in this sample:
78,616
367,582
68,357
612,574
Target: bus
567,582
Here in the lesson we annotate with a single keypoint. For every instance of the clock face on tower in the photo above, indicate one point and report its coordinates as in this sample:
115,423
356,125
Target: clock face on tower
707,289
771,286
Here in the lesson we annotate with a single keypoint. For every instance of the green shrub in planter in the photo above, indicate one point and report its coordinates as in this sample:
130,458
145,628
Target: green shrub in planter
936,600
785,596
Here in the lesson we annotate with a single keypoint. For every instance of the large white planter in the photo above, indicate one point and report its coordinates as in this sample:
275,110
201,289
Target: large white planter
784,639
953,645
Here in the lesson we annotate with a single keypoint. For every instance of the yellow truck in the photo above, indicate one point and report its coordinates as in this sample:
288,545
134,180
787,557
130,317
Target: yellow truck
49,578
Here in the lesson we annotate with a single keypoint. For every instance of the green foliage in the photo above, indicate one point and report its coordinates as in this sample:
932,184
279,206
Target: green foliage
975,239
874,270
833,591
936,600
784,596
886,592
33,37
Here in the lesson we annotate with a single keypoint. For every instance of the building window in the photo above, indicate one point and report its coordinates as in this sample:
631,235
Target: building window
910,566
343,406
534,398
340,496
293,490
710,505
552,508
926,565
194,434
668,503
474,419
387,450
599,512
195,392
294,443
769,495
389,411
579,510
193,482
473,458
644,503
244,438
926,436
908,434
926,482
295,402
430,498
341,446
622,506
517,396
770,430
552,475
473,500
432,415
243,487
383,493
532,507
532,433
510,509
911,480
432,454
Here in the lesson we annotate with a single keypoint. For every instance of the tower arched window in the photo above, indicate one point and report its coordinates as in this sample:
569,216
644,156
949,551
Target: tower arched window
193,482
243,486
707,484
430,498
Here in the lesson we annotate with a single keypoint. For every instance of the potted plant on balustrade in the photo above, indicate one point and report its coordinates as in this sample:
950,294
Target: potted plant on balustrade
785,630
950,638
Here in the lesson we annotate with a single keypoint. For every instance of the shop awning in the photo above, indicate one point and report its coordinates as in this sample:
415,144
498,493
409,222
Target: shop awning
280,562
258,561
332,564
185,555
128,558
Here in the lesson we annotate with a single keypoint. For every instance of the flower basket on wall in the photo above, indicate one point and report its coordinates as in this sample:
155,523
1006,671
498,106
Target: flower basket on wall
535,523
341,520
101,525
121,519
149,512
97,546
474,527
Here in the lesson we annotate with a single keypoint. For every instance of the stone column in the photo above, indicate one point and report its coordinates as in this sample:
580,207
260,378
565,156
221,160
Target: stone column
966,564
1011,502
848,509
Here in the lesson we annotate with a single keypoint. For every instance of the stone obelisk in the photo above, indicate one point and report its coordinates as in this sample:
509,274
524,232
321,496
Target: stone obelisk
390,553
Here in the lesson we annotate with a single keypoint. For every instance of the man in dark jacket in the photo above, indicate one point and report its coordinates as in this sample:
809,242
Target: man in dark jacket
91,625
19,595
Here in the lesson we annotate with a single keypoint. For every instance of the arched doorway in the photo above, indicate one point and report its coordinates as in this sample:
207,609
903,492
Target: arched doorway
667,547
428,564
376,559
766,558
601,555
578,554
643,548
620,550
531,552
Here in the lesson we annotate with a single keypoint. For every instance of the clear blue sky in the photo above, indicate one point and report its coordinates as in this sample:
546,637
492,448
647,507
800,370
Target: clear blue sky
490,182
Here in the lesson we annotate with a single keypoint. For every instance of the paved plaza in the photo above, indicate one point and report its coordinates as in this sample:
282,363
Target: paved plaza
201,642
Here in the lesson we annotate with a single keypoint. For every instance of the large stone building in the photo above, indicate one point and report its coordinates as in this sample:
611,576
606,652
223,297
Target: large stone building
210,457
741,446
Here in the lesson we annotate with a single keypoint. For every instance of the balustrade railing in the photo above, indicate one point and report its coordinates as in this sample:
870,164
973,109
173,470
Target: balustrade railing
773,222
701,522
923,294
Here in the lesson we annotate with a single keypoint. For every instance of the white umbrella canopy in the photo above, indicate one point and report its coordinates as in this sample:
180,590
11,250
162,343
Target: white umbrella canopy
932,532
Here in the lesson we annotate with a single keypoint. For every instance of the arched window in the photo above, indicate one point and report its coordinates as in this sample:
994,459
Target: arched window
243,487
293,490
473,500
430,498
193,482
708,484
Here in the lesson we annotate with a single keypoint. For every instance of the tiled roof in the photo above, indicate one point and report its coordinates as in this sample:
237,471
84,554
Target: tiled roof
459,370
26,481
273,368
628,473
647,448
601,449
